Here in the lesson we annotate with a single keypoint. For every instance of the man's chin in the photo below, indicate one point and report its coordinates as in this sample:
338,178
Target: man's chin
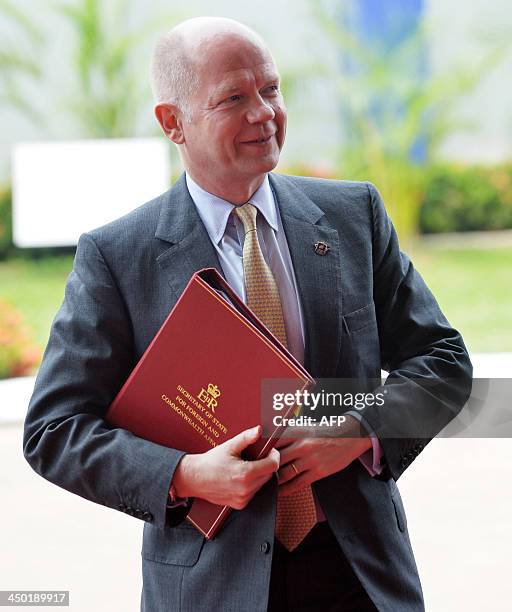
263,165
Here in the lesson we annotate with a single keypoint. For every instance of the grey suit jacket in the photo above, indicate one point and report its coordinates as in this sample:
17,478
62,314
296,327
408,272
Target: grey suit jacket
365,307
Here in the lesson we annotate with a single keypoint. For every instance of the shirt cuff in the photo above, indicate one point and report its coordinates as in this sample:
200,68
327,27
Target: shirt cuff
371,459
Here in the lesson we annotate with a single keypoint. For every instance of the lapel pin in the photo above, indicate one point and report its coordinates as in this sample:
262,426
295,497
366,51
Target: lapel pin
321,248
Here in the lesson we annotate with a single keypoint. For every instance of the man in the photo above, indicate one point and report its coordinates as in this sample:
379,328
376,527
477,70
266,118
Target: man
348,303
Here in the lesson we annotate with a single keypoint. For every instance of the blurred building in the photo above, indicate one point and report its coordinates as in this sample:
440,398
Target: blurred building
459,34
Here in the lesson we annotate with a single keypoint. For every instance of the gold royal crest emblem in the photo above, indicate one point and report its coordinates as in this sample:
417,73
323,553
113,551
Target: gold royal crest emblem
209,396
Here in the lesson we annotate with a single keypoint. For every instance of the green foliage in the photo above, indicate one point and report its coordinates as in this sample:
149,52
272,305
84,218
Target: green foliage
377,145
19,58
35,288
466,198
107,92
5,222
107,95
18,355
472,286
110,91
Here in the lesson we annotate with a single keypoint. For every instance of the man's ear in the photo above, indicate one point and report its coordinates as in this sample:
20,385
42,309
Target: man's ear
169,117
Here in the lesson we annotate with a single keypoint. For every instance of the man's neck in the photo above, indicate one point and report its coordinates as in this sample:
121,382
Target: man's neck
234,194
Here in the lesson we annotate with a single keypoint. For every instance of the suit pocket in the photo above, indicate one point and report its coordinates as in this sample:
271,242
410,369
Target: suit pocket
359,319
360,350
174,546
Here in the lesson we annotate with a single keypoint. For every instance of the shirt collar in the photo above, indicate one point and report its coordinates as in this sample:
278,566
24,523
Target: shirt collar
215,211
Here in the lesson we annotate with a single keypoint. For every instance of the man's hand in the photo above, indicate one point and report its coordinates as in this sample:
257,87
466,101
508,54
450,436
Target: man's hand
308,459
220,475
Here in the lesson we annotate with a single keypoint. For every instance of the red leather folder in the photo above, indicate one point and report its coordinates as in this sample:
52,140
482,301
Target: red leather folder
199,382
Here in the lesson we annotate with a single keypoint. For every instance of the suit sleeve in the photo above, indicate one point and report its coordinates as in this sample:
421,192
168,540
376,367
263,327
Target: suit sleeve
88,357
430,373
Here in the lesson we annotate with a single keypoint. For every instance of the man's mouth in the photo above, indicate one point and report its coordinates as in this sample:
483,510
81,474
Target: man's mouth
259,141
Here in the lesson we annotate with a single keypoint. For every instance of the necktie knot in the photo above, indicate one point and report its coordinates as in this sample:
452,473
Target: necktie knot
247,215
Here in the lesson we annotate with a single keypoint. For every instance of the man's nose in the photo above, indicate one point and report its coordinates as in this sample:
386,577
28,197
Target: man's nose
260,111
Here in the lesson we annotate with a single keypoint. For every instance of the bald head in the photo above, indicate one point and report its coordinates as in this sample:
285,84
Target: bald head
181,52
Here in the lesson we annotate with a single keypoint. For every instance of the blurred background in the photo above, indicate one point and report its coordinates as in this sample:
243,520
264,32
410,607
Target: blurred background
413,95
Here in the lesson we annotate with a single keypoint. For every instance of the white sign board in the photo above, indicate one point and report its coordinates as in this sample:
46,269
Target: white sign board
62,189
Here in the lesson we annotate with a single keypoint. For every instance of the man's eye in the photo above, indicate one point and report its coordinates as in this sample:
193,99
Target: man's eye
274,89
234,98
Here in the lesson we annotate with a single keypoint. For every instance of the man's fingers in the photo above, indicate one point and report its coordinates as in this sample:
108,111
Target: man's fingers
261,481
289,472
265,466
283,442
299,482
275,455
289,453
244,439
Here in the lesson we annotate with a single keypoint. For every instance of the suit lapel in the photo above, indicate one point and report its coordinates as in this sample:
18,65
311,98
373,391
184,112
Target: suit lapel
318,276
191,248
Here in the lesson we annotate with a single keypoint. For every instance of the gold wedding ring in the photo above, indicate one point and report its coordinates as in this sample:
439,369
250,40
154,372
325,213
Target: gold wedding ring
295,468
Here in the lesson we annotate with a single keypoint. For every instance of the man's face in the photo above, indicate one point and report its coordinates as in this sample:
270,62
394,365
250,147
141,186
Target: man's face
238,115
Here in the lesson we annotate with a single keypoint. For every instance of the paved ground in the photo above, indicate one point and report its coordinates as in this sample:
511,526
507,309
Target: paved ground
458,498
54,540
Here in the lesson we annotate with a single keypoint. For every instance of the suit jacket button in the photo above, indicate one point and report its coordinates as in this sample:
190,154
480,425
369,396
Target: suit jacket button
122,507
147,516
405,461
129,510
265,547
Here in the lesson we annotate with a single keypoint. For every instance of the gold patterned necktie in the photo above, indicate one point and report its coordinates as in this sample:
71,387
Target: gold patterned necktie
296,513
